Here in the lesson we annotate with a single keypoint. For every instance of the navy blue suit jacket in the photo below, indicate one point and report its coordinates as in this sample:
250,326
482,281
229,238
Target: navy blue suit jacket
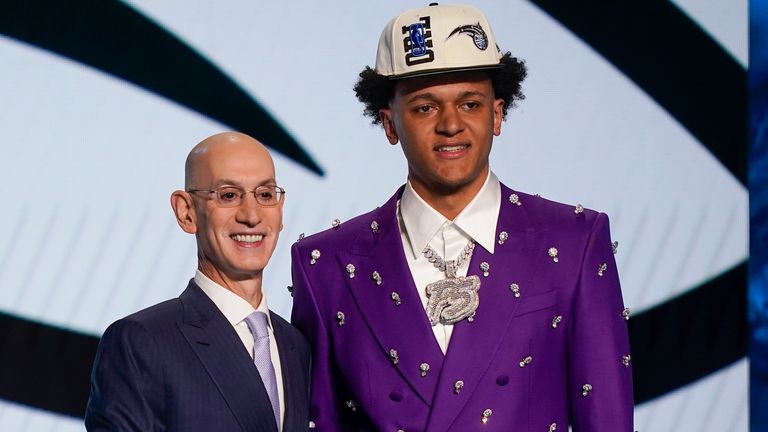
180,366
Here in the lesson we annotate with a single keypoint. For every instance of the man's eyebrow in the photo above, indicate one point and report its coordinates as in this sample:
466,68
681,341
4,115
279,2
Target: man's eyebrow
229,182
431,97
472,93
420,96
226,182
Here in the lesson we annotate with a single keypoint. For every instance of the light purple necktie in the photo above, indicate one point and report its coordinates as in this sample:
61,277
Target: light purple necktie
257,323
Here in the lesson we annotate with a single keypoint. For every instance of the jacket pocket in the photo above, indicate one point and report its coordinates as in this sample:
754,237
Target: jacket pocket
537,302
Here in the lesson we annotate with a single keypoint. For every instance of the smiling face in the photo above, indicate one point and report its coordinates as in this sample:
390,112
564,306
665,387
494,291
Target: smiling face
233,243
445,124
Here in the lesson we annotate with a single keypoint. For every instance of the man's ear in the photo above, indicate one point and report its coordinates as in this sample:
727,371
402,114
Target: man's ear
498,115
385,115
184,209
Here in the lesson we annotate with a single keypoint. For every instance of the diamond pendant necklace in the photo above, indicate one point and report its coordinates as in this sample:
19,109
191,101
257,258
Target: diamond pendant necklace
452,299
449,267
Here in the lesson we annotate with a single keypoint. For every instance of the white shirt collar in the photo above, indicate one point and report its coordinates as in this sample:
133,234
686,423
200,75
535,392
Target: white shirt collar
478,219
234,307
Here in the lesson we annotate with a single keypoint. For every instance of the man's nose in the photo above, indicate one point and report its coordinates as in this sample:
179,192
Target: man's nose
449,122
249,211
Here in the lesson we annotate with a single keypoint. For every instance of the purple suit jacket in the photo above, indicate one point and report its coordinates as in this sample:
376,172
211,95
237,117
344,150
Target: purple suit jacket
522,367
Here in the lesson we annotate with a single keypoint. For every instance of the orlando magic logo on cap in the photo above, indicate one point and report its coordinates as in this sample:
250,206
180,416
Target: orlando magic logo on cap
476,32
430,40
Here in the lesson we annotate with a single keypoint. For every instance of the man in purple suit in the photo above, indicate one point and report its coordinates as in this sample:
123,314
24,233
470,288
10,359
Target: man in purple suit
460,304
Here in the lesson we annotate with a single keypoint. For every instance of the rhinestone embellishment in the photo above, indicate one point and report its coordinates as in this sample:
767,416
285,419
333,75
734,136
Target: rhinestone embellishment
484,266
290,290
625,313
393,356
396,298
351,405
424,368
579,209
552,252
340,318
615,247
515,290
503,236
375,226
336,224
552,427
525,361
457,386
586,389
301,237
626,359
377,277
486,414
514,199
601,269
351,270
556,320
315,255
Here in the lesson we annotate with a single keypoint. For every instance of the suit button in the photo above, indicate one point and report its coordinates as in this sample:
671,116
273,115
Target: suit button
502,380
396,396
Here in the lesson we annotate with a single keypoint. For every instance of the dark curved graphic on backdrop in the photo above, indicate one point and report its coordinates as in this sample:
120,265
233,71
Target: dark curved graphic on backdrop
656,45
114,38
689,337
45,367
675,62
699,84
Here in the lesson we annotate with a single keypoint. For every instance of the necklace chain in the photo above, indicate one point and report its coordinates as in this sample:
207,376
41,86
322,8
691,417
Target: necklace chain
451,266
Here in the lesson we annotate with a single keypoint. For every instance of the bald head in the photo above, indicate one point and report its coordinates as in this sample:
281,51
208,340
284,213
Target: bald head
235,238
221,145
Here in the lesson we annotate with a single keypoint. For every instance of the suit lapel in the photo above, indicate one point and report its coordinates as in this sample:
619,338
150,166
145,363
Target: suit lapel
293,376
223,356
404,327
474,344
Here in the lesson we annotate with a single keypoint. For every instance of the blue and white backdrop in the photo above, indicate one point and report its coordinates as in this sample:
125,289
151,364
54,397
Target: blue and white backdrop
636,109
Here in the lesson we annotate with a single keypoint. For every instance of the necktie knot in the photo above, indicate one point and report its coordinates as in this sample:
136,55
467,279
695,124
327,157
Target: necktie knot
257,323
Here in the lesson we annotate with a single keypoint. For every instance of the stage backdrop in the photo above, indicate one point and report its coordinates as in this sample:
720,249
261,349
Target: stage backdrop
635,109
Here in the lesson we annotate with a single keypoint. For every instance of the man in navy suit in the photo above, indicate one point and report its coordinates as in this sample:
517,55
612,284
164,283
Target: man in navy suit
216,358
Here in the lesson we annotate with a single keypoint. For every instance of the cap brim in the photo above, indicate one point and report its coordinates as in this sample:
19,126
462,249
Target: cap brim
444,71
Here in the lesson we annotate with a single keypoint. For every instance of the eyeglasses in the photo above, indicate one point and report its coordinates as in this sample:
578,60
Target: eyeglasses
232,196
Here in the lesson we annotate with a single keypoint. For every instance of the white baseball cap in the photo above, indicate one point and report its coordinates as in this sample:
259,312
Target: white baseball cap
436,39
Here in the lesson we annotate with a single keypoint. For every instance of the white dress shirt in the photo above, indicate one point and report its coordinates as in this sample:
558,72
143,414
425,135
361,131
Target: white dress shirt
236,309
421,225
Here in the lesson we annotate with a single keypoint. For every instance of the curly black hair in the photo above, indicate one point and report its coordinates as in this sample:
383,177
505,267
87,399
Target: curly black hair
376,91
